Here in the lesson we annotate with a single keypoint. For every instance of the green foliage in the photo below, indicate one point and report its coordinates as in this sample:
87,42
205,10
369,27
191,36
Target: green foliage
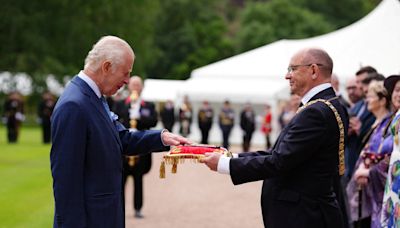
188,35
263,23
170,38
339,13
26,189
53,37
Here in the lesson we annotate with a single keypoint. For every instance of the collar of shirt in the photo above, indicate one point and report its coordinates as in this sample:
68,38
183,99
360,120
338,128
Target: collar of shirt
306,98
90,82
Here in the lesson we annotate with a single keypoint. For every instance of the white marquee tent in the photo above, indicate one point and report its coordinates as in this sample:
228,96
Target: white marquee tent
373,40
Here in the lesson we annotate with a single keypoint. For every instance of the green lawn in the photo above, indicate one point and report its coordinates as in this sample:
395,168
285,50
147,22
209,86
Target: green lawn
26,197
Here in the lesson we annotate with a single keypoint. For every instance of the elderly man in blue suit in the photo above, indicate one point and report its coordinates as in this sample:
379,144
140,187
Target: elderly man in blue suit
88,142
301,171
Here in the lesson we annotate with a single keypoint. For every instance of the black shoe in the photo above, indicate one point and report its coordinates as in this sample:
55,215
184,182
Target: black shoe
138,215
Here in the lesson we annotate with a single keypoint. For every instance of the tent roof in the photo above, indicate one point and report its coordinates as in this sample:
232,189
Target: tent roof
374,40
239,90
161,90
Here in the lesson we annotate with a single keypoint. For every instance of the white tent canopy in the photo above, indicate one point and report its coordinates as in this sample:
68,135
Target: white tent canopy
373,40
161,90
240,90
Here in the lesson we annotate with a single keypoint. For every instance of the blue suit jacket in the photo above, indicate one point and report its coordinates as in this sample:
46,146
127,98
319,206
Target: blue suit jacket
300,171
86,159
355,143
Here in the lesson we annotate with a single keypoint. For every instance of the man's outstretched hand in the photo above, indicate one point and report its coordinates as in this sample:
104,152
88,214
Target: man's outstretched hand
170,139
211,160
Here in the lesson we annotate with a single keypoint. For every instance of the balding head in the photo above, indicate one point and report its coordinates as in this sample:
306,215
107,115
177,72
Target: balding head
319,57
308,68
108,48
135,84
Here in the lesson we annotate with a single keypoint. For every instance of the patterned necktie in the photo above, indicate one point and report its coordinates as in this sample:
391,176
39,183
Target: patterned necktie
106,107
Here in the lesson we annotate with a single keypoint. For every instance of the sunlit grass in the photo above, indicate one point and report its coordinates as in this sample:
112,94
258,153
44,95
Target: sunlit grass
26,193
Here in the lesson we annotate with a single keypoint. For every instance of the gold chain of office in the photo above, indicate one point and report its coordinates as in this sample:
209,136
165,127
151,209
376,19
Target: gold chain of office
341,128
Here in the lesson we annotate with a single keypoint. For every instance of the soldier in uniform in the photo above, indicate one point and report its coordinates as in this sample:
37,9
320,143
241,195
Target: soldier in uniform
185,117
248,125
13,115
266,127
167,115
45,110
142,116
205,118
226,121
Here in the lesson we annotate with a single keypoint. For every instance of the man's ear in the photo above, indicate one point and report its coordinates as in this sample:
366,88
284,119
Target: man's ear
315,71
106,66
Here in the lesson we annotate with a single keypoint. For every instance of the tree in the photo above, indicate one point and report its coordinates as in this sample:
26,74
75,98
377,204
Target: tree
53,37
265,22
189,34
339,13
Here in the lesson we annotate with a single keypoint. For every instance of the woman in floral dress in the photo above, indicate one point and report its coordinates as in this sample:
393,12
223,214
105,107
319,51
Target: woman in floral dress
390,216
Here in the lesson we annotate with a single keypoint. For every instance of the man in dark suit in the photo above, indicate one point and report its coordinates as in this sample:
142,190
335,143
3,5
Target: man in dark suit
361,121
300,171
167,115
88,142
248,125
45,109
141,115
13,115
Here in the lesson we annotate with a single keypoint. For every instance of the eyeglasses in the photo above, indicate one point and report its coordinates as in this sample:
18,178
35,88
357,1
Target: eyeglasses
292,68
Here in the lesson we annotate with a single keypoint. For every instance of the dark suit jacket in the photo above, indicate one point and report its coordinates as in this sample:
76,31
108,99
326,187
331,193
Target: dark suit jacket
355,142
248,124
299,171
167,116
86,162
148,119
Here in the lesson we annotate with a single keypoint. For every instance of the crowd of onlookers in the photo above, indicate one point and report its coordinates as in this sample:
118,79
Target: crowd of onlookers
370,184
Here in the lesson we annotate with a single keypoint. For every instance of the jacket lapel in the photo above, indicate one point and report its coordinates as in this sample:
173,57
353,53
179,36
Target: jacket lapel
324,94
96,102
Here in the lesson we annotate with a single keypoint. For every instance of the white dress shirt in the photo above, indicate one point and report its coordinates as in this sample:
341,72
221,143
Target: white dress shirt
223,163
90,83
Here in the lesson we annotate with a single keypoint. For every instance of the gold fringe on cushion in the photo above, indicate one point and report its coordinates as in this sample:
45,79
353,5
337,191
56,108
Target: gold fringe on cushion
178,158
175,159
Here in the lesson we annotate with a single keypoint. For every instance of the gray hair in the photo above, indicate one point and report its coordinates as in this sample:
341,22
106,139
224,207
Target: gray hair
108,48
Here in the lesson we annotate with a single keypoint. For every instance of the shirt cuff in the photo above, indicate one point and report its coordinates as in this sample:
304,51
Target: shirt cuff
164,130
223,165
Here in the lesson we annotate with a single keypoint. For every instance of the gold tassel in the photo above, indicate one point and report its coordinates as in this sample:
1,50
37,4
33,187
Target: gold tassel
162,170
174,167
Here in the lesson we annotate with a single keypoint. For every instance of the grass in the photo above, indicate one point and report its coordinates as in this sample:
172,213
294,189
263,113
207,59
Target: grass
26,197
